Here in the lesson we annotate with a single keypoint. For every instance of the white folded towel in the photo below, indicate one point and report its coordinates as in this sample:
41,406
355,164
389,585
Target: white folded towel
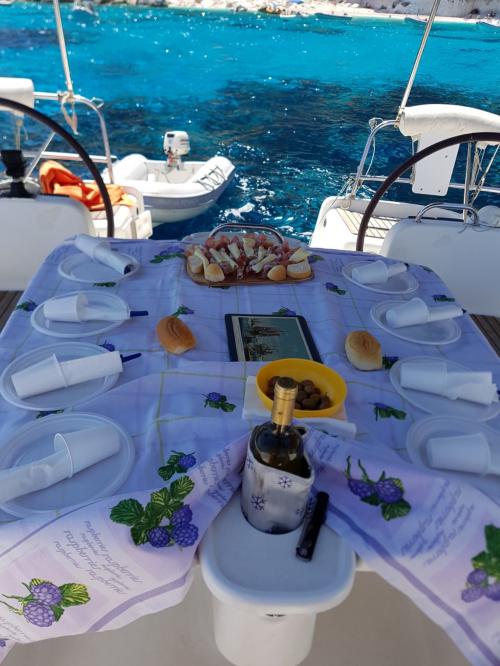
51,374
417,311
461,453
74,452
76,308
100,250
433,376
377,272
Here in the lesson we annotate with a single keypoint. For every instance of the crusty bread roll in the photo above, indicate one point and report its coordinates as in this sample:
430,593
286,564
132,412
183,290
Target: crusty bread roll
363,350
195,264
277,273
214,273
299,271
175,335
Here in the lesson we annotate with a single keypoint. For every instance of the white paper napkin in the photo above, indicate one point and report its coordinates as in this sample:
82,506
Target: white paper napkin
51,374
461,453
433,376
76,308
74,451
100,250
417,311
254,409
377,271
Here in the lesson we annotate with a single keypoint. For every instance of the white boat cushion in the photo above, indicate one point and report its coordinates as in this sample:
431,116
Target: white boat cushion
431,123
446,120
17,90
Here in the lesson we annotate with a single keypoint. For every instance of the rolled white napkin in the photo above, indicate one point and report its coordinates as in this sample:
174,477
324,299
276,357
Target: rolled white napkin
74,452
51,374
377,271
99,250
76,308
461,453
433,376
417,311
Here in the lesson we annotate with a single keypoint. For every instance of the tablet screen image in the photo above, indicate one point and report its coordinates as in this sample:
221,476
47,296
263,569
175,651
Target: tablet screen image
269,337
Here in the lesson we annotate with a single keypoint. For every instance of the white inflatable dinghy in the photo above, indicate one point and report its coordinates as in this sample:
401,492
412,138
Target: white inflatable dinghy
173,189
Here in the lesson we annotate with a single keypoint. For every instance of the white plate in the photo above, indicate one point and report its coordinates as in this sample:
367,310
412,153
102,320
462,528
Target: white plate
60,398
403,283
447,426
75,329
35,440
438,404
81,268
442,332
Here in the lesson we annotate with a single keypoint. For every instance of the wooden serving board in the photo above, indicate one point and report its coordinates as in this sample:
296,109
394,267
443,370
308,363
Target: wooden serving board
247,281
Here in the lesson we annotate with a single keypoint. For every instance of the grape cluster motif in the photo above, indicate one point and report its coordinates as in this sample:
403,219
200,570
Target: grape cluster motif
329,286
387,492
442,298
383,411
46,602
389,361
218,401
165,520
27,306
172,252
483,582
182,310
285,312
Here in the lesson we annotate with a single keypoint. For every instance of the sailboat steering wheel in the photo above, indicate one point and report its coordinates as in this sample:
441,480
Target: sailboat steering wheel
493,137
55,127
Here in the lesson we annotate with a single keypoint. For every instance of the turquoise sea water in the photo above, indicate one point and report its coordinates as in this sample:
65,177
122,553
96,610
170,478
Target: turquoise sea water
287,100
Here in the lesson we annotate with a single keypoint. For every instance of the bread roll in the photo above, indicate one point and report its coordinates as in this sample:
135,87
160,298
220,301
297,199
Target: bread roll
195,264
363,350
277,273
175,335
299,271
214,273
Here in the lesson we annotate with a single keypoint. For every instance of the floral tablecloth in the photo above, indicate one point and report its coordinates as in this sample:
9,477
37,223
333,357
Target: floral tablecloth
102,565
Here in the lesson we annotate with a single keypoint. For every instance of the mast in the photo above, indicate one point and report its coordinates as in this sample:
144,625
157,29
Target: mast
420,53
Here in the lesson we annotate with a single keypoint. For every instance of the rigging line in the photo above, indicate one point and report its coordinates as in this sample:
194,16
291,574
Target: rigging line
479,185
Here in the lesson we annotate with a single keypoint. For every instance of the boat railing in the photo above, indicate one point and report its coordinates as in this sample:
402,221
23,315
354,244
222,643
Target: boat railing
94,105
362,175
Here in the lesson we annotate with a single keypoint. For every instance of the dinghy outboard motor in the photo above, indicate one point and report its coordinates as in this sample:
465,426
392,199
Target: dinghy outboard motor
175,145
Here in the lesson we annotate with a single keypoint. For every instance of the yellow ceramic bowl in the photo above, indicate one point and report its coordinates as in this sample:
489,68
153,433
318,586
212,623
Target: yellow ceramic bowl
327,380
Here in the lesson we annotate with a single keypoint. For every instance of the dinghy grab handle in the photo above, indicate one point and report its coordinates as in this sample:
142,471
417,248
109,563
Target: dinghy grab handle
86,159
252,227
473,137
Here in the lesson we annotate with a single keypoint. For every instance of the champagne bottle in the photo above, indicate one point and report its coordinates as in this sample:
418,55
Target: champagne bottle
277,477
278,443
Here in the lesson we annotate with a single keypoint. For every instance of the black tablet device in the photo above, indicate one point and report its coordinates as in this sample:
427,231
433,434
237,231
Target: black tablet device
254,337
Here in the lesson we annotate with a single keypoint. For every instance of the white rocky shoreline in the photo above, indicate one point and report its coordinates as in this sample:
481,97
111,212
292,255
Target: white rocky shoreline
470,11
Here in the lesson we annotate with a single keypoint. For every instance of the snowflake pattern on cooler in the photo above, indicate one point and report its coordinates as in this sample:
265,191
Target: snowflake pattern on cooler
258,502
285,482
249,463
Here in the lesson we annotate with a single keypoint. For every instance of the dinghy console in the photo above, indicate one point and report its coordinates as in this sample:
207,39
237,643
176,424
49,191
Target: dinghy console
175,146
